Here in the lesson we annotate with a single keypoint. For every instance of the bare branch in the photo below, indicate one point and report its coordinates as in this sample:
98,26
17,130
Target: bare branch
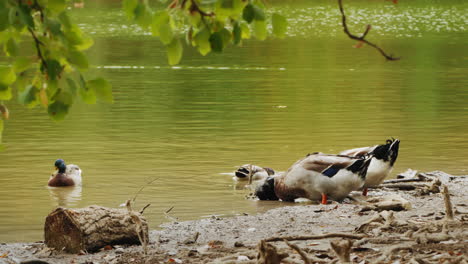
299,251
362,38
290,238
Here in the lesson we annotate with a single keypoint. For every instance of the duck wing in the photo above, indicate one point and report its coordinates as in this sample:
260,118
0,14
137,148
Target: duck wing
358,152
326,164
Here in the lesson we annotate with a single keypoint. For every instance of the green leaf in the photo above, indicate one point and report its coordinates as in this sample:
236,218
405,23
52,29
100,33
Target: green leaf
78,59
29,96
227,4
4,21
259,13
54,26
260,29
7,76
245,30
226,36
56,6
129,7
5,92
72,86
87,95
102,88
11,48
58,110
64,97
14,19
202,39
65,20
165,33
143,15
249,13
54,69
237,33
280,25
21,64
25,16
216,41
159,18
174,51
194,19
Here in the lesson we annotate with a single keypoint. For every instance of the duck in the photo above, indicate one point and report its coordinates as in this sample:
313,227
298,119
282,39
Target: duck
256,173
383,159
67,175
318,176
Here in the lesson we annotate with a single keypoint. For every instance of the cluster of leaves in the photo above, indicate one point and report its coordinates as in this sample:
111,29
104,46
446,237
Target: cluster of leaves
44,50
208,25
44,58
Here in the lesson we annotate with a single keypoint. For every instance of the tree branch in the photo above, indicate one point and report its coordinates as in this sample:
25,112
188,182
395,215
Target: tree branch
37,42
362,38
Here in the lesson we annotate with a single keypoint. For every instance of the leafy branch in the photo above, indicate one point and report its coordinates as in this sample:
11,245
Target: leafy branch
362,38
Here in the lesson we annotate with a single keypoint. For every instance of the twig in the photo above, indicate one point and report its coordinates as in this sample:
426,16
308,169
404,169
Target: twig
342,249
268,253
37,42
141,189
169,210
330,235
143,210
139,228
402,180
448,204
299,251
362,38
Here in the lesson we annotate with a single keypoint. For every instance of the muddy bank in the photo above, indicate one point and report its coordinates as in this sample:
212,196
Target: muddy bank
421,234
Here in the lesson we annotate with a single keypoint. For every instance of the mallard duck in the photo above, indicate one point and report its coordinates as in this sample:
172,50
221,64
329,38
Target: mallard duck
383,159
67,175
317,176
257,172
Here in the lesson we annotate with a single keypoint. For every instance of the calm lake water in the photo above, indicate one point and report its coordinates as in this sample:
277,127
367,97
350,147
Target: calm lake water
267,103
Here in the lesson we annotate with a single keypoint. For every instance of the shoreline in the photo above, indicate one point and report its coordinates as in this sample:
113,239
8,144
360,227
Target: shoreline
236,239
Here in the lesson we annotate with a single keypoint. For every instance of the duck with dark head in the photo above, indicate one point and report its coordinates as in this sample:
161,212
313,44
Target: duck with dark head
318,176
383,158
67,175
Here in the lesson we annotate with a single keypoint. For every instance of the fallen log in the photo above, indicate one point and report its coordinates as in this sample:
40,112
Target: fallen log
91,228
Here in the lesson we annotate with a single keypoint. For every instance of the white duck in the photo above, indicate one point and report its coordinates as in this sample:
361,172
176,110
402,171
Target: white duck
383,159
317,176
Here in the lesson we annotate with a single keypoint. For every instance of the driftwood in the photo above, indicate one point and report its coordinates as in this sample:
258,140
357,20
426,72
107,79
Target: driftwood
268,254
330,235
342,249
93,227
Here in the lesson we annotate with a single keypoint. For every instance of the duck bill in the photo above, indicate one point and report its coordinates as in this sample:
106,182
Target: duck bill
393,151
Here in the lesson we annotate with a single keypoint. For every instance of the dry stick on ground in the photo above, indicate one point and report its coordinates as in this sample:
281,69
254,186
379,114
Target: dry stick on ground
299,251
363,37
342,249
448,204
139,229
268,254
330,235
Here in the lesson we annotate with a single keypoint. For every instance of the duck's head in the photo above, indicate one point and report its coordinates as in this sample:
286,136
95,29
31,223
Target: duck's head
387,152
266,191
60,165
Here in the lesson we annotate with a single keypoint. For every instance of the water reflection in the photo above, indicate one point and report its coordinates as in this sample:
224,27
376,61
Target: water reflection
65,196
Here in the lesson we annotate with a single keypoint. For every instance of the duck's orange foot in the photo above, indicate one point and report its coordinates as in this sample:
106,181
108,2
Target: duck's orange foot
324,198
364,192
